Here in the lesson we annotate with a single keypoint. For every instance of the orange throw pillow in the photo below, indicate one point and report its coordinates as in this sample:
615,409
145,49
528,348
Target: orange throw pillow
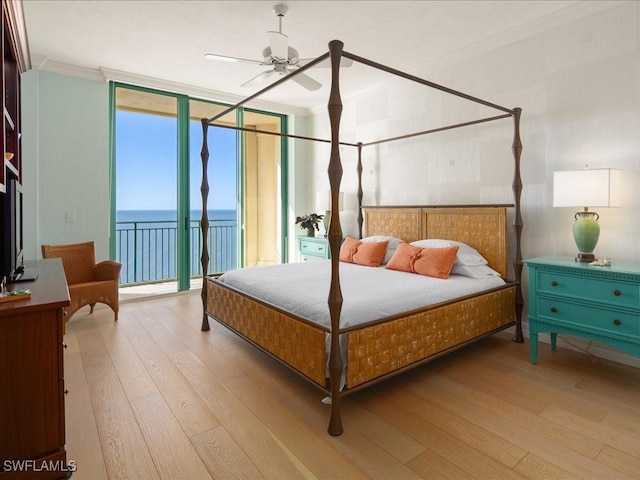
369,254
348,249
401,259
432,262
436,262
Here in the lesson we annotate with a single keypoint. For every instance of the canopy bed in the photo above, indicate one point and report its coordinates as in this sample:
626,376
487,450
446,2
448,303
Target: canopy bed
339,347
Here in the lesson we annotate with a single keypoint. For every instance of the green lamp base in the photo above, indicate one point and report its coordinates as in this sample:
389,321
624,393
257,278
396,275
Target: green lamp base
586,231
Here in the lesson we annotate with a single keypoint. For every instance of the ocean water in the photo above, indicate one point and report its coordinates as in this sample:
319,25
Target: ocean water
171,215
146,243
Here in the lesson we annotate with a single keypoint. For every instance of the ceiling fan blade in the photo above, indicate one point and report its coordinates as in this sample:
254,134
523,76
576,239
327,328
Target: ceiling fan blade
258,79
224,58
279,44
306,81
344,62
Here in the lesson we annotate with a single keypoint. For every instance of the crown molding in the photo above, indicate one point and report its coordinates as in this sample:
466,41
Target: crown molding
103,74
43,63
17,33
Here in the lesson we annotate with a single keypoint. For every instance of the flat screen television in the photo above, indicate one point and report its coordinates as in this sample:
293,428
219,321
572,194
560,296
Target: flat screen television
12,228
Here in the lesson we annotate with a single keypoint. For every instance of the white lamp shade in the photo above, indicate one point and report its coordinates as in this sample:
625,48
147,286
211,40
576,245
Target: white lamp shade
598,187
323,200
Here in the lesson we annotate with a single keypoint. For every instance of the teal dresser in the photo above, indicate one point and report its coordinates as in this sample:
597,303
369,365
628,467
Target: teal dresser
313,248
573,298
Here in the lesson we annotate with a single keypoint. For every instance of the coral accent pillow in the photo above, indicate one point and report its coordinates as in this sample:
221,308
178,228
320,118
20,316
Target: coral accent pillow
401,259
348,249
369,254
432,262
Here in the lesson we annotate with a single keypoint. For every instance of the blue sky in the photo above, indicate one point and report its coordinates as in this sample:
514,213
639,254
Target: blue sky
146,163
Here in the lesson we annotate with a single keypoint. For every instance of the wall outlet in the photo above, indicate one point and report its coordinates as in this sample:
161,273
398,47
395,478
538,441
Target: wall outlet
71,217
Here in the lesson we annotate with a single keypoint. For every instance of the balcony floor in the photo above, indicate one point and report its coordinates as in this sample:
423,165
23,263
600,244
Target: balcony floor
147,290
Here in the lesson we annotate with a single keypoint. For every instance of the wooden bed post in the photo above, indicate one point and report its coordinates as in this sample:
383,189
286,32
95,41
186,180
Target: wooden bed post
360,193
204,222
335,238
517,223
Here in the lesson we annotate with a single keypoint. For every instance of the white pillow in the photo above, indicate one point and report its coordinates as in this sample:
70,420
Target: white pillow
391,248
477,271
466,255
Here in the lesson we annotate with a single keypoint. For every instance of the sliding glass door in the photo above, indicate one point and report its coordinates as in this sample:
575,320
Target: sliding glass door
157,138
246,173
146,214
223,199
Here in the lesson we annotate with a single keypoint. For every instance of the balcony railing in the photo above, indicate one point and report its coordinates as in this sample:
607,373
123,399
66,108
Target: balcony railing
147,249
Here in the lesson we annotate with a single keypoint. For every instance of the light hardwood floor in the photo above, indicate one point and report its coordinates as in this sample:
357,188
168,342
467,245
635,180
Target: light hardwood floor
152,396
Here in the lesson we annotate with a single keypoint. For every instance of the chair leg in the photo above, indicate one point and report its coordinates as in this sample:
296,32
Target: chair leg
91,305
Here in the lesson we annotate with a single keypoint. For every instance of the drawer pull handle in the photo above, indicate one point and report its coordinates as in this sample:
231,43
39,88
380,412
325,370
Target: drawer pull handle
617,322
554,284
617,293
554,310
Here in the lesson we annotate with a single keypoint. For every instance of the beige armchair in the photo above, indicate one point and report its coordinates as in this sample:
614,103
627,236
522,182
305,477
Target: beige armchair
88,283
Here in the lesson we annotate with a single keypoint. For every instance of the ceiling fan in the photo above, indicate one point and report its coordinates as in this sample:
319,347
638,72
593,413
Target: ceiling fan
278,55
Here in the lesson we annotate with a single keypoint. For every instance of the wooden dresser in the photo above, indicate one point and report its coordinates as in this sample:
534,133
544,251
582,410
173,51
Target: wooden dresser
32,436
573,298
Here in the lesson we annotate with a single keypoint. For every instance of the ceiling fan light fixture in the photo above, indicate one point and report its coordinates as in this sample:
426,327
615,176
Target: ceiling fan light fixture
279,56
292,57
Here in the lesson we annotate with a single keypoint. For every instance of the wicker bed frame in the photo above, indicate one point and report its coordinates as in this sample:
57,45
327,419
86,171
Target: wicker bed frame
384,347
392,345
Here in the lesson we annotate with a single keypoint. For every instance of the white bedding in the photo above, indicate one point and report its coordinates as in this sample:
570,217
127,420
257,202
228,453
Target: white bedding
368,293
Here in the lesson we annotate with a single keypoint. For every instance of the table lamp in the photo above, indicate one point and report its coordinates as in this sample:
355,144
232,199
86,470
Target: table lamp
323,203
597,187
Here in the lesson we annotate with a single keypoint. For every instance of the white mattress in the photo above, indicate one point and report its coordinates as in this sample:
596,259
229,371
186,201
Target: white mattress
368,293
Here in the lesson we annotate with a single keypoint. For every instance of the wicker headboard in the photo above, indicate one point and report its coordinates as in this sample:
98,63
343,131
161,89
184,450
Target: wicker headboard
483,228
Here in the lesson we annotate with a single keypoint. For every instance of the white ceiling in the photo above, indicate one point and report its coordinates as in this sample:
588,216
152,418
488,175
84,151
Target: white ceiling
167,40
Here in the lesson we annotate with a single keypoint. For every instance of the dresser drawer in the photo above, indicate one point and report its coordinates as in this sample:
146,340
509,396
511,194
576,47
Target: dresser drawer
310,247
590,317
592,289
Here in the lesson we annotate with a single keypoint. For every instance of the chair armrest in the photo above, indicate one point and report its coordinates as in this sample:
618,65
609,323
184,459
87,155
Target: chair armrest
107,270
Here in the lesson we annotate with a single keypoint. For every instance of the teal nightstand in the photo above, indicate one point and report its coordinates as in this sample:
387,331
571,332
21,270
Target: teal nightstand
573,298
314,248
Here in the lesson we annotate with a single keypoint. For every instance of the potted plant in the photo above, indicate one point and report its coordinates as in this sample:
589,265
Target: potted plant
310,223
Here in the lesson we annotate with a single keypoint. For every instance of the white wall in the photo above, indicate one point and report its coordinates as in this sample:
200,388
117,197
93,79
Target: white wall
298,171
66,161
578,85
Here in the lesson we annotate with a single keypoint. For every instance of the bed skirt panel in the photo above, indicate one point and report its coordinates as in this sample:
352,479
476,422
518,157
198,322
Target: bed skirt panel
383,348
297,344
